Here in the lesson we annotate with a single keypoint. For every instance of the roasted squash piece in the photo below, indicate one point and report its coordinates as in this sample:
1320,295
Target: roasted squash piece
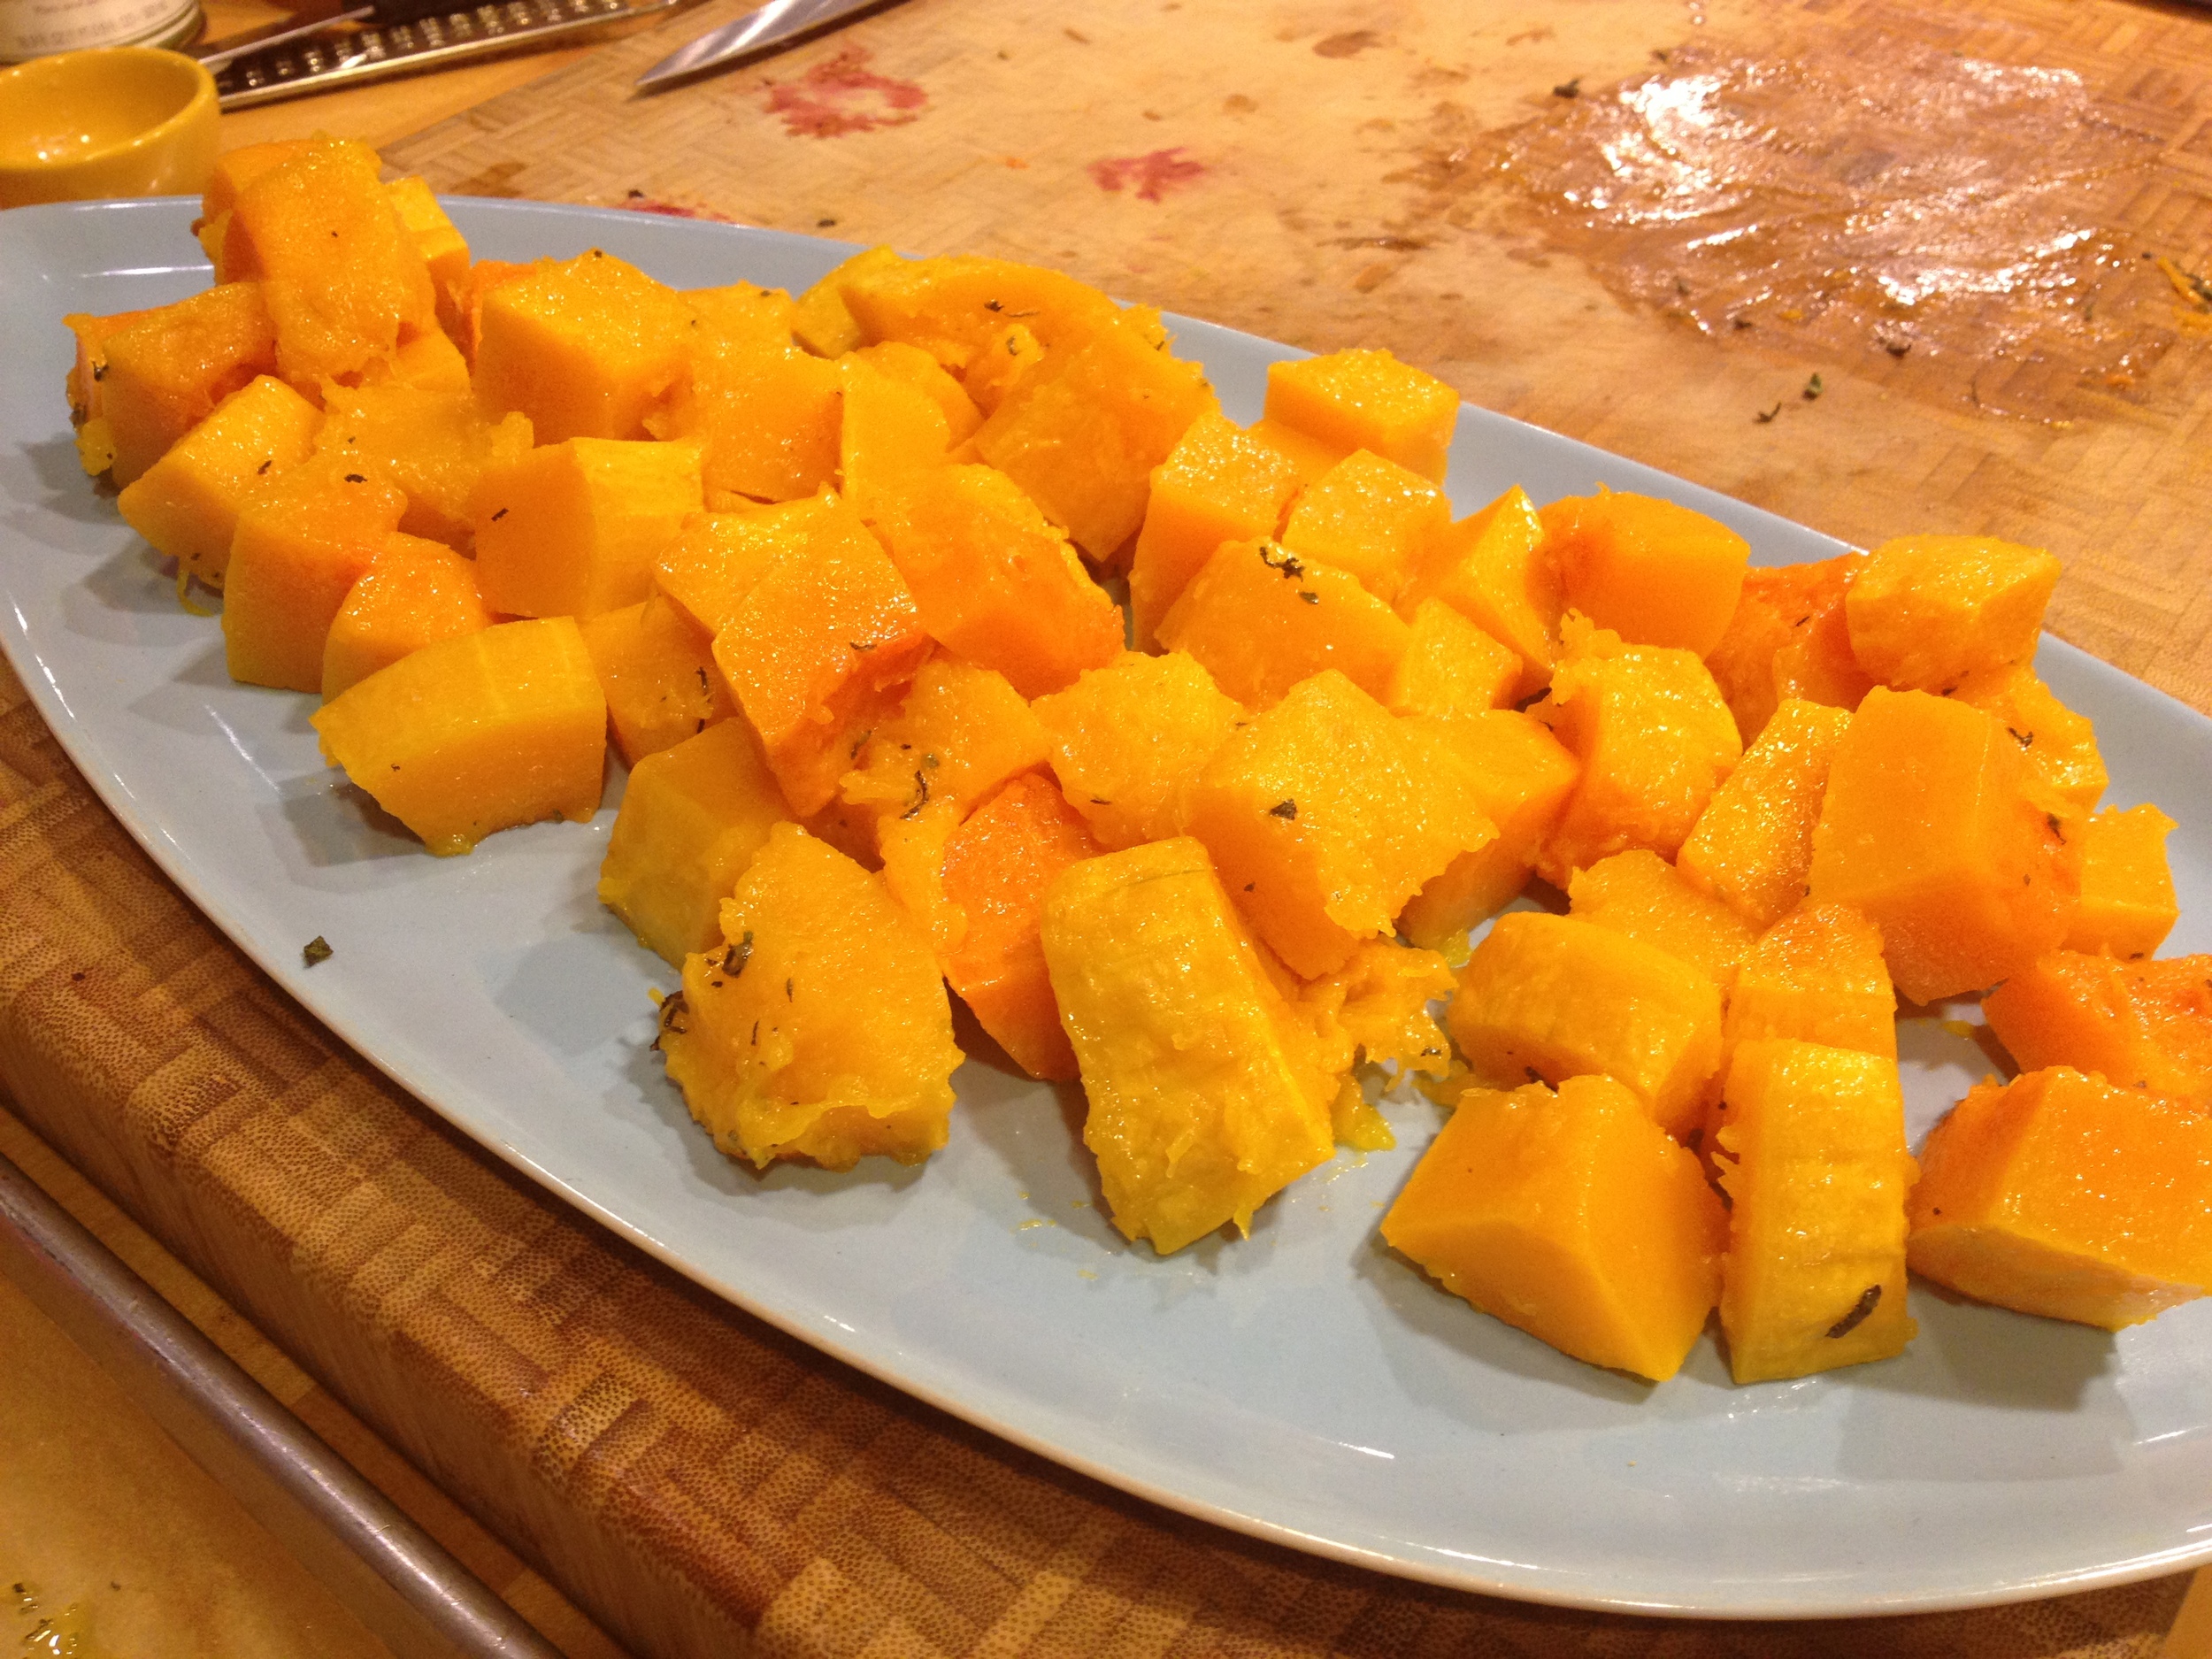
997,867
1753,845
1494,569
587,348
1369,515
413,594
163,371
436,446
1364,399
574,528
770,417
1205,1098
1810,1150
717,559
476,734
1929,827
1655,572
2067,1196
2142,1025
1450,667
1816,976
1551,997
657,667
1789,638
187,504
302,541
1326,813
1572,1216
2059,745
1261,619
819,1028
961,733
2127,890
1218,484
1129,740
1640,895
1927,611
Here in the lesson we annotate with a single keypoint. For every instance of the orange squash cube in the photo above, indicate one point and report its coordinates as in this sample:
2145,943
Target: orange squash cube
344,281
1552,997
445,251
164,372
235,169
1129,740
2067,1196
1218,484
432,363
1363,399
302,541
1307,457
1326,813
1368,516
476,734
587,348
718,557
1654,740
413,594
999,365
1753,845
886,428
1928,827
691,818
1494,569
1205,1097
912,367
1261,620
820,320
741,310
1789,637
2059,745
951,307
572,529
962,732
2143,1026
997,867
1639,894
1816,976
996,583
819,651
1450,668
1655,572
2127,890
657,667
435,445
771,418
187,504
1810,1150
1523,780
1082,432
1572,1216
819,1028
1927,611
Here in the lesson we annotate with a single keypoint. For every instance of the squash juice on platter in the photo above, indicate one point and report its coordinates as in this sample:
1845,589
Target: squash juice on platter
831,574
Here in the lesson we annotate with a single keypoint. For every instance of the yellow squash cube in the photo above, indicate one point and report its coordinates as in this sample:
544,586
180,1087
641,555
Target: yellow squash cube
1129,740
1753,845
1816,976
1363,399
1494,568
2127,889
1205,1097
657,667
1218,484
1326,813
1639,894
187,504
1550,997
1450,668
2141,1026
770,417
1368,516
1927,611
2067,1196
476,734
1655,572
962,732
304,539
587,348
2059,745
572,529
1810,1147
1261,619
818,1028
435,445
692,818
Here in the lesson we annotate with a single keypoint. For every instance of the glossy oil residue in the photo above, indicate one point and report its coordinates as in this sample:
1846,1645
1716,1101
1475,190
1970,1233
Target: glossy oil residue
842,94
1872,196
64,1634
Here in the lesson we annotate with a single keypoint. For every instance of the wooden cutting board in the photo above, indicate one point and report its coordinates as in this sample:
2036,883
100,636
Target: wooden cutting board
1325,174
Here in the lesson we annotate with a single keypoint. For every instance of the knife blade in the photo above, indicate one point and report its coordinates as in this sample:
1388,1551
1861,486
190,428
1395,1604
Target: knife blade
758,30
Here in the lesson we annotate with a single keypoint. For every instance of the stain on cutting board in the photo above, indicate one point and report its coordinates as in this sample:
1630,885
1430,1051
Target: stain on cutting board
842,94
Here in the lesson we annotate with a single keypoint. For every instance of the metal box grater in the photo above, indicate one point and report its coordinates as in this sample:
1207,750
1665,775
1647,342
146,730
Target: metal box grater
323,64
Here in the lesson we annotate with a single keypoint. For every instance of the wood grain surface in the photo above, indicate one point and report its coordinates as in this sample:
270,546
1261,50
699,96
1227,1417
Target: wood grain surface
1319,172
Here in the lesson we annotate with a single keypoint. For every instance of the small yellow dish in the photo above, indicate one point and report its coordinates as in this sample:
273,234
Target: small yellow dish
116,121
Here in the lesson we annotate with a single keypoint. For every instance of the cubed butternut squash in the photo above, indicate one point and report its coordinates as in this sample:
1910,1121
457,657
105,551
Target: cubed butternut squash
1494,568
1789,637
1810,1150
2142,1025
163,371
1640,895
1218,484
1369,515
819,1028
1927,611
1261,619
1816,976
1652,571
657,667
1572,1216
187,504
572,529
587,348
1450,668
413,594
1366,399
1129,740
476,734
1752,847
2067,1196
302,541
2127,905
961,733
1204,1097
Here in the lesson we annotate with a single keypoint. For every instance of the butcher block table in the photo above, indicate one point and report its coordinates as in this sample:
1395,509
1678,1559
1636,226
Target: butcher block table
1329,175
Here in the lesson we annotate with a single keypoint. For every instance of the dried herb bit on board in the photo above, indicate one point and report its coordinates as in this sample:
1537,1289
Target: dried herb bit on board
1813,388
1765,415
316,950
1568,89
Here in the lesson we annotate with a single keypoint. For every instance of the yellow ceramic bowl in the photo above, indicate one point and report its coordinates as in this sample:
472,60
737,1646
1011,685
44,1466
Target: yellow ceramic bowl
116,121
